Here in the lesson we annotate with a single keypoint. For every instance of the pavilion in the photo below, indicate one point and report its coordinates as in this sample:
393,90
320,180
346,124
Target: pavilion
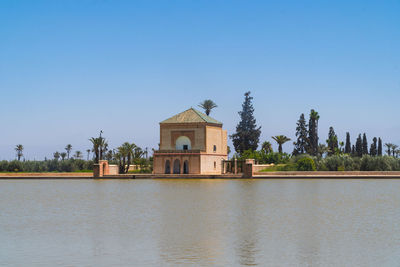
191,143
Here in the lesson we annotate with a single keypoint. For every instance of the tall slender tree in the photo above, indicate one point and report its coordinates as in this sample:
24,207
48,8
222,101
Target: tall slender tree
207,105
332,141
373,150
379,146
68,148
359,151
300,146
88,154
280,139
353,150
313,132
347,148
364,145
19,149
247,133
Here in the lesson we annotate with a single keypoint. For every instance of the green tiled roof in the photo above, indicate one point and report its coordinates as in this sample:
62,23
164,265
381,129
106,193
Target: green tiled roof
191,116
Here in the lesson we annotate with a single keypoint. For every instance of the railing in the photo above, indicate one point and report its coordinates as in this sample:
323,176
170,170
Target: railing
178,151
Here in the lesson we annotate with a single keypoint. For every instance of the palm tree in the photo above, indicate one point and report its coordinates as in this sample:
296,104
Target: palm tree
88,154
63,155
68,148
208,105
100,146
341,144
323,149
280,139
19,149
394,149
125,154
389,148
78,154
266,147
56,155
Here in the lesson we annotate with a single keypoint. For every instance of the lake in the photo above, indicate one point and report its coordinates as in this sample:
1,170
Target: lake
200,222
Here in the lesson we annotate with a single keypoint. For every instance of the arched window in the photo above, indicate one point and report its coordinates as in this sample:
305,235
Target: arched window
186,167
183,143
215,148
167,167
177,166
215,165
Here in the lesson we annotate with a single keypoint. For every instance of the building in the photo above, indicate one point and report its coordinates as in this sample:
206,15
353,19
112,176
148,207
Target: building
191,143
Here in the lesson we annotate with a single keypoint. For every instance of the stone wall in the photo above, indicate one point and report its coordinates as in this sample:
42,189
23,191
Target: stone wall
260,167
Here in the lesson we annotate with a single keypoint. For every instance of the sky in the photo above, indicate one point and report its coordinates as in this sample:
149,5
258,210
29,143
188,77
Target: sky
69,69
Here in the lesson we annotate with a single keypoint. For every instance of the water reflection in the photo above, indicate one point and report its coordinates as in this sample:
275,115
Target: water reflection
189,231
200,223
307,222
247,226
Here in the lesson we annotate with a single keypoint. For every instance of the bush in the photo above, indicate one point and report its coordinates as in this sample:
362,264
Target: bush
384,163
3,166
263,158
71,165
366,163
15,166
306,164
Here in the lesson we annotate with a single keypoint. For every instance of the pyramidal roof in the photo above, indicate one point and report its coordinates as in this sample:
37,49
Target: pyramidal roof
191,116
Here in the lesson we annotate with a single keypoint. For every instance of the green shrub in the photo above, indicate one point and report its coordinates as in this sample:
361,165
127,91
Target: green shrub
15,166
3,166
266,158
306,164
70,165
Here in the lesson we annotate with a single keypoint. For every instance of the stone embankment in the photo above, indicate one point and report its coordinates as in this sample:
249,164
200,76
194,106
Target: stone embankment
329,175
256,175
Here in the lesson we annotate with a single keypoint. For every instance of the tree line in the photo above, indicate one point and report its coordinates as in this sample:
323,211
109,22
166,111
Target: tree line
125,155
347,156
245,141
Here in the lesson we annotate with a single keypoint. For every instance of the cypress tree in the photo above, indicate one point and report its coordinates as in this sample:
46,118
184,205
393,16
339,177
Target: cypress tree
313,133
332,141
379,146
247,133
373,151
347,148
300,146
364,145
353,150
359,146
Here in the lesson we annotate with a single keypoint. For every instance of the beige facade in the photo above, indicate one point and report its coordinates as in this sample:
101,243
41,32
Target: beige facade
190,143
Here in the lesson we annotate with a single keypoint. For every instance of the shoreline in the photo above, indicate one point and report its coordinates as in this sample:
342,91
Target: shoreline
258,175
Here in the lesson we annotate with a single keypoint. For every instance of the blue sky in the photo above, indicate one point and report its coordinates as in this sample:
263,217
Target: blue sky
71,68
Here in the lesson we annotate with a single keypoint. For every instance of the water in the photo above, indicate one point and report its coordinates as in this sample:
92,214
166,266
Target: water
200,223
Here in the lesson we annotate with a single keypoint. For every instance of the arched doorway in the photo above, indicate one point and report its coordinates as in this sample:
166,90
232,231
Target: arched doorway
186,167
167,167
177,166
